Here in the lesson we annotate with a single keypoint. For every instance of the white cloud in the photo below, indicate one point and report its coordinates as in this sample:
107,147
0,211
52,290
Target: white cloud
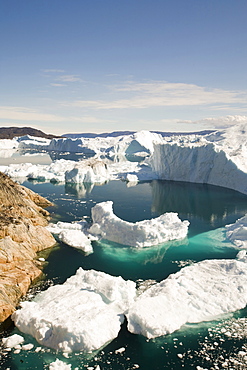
27,114
53,70
163,94
68,78
57,85
221,122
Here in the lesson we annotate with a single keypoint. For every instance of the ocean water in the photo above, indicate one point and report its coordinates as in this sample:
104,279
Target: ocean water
209,209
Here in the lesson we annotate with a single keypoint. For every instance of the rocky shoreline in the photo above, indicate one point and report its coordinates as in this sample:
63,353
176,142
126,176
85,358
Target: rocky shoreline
22,234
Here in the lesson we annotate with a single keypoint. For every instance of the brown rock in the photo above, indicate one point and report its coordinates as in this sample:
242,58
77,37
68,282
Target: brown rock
22,234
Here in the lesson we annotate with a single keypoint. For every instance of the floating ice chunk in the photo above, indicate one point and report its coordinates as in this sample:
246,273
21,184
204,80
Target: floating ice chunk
72,234
76,239
92,171
196,293
237,232
140,234
83,314
131,178
12,341
59,365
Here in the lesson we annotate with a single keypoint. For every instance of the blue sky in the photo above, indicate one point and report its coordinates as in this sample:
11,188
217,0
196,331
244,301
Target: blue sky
106,65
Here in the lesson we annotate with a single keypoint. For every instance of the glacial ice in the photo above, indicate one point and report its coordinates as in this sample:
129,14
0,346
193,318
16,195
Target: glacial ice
12,341
218,158
83,314
72,234
237,232
86,312
200,292
140,234
59,365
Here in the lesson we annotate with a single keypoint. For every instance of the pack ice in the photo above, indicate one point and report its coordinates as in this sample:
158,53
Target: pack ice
140,234
83,314
200,292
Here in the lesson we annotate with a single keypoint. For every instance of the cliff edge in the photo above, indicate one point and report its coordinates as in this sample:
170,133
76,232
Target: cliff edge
22,234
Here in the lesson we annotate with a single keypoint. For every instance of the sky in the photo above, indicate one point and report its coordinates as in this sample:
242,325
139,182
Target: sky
73,66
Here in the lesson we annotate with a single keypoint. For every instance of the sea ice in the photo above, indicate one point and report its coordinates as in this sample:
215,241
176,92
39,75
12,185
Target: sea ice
140,234
83,314
200,292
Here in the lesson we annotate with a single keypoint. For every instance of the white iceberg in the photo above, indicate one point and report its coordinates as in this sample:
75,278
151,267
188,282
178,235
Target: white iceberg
72,234
140,234
139,144
237,232
12,341
83,314
90,171
59,365
200,292
217,159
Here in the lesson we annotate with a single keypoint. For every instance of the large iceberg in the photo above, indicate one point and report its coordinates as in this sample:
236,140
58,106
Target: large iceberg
83,314
200,292
140,234
216,159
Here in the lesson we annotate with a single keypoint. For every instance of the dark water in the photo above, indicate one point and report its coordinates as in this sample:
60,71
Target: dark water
208,208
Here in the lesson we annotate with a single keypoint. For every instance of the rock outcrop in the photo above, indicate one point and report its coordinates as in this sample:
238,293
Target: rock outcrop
22,235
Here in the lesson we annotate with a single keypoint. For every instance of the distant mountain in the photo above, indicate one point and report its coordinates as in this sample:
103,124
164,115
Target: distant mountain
105,134
122,133
11,132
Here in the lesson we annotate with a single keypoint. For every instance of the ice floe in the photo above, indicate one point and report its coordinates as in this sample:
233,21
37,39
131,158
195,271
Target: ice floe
83,314
140,234
200,292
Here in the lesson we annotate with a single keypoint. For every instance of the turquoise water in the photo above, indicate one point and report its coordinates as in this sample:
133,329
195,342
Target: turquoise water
208,208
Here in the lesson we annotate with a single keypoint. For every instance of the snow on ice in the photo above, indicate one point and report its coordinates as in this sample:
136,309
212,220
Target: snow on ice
83,314
140,234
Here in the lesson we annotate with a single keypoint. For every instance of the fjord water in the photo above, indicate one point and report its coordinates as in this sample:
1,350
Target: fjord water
208,208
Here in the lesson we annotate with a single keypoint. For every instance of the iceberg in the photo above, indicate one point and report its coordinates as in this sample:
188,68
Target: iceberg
83,314
200,292
216,159
140,234
72,234
237,232
90,171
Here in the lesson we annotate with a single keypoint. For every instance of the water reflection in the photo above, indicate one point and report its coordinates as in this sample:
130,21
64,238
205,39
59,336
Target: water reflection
215,205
